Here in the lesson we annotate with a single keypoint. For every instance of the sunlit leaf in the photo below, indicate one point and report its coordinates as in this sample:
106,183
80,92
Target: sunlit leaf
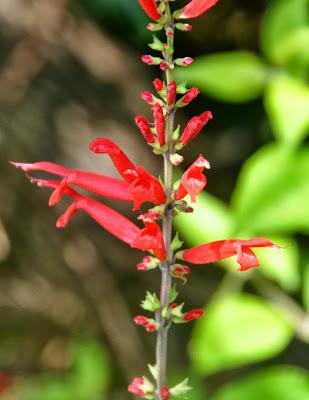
237,331
273,383
272,191
287,105
233,76
282,18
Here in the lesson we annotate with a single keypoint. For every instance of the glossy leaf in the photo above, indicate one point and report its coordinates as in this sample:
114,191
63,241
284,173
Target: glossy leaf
234,77
281,19
272,192
237,331
287,105
272,383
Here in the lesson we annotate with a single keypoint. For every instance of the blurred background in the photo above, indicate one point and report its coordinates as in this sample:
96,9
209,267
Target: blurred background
70,71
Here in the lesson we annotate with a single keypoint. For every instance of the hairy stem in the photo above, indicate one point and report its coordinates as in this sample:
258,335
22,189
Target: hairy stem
166,281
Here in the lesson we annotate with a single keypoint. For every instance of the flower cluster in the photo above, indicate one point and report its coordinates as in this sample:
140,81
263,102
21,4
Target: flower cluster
137,186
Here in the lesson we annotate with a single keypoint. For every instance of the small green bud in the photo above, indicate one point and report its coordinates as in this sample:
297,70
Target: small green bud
182,87
173,294
151,302
176,134
156,44
181,388
176,243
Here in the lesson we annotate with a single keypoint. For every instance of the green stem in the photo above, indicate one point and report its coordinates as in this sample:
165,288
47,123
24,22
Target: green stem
166,280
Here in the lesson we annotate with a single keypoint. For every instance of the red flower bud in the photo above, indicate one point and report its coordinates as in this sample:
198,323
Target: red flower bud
194,127
158,84
184,62
193,314
159,122
150,8
196,8
143,125
164,66
171,93
147,59
141,320
190,95
181,270
150,327
136,387
164,394
147,96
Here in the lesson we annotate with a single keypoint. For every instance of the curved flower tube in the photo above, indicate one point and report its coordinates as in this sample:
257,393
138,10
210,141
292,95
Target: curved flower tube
103,185
150,8
221,249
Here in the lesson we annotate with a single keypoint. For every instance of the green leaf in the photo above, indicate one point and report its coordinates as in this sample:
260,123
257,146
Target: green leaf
272,192
273,383
237,330
287,105
234,77
281,266
211,220
306,287
281,19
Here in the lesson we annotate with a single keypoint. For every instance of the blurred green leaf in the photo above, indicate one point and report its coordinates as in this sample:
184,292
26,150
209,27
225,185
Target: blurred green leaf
306,287
237,330
274,383
234,77
281,266
287,105
272,191
282,18
211,220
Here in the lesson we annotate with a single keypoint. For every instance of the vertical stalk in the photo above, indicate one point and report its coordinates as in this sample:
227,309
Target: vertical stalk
166,279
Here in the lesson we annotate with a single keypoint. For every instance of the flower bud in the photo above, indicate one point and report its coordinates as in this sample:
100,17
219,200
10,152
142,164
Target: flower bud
171,93
143,125
151,302
149,60
188,97
183,27
154,27
193,314
148,263
148,97
165,394
176,159
179,270
158,84
164,66
148,323
184,62
141,386
141,320
159,122
169,32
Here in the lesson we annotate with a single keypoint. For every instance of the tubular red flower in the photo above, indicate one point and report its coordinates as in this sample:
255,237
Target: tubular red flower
120,160
193,314
143,125
150,238
219,250
195,8
143,186
191,94
193,180
159,122
194,127
171,93
147,96
158,84
96,183
150,8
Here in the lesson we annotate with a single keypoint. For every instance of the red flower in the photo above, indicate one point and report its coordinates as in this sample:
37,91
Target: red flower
216,251
147,96
143,186
136,387
190,95
150,238
196,8
194,127
99,184
141,320
193,314
158,84
144,127
171,93
193,180
164,394
159,122
109,219
150,8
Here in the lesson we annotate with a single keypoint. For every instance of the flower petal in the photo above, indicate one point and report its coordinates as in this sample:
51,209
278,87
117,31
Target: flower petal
150,8
195,8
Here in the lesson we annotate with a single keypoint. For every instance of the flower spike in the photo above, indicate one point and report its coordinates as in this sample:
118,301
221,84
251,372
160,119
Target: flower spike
219,250
193,180
150,8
